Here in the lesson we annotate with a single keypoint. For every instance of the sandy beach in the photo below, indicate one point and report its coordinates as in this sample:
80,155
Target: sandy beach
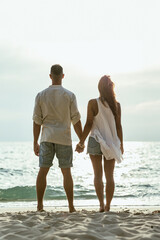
88,223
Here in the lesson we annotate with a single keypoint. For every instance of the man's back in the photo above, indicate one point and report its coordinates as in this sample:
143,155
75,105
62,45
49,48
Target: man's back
55,109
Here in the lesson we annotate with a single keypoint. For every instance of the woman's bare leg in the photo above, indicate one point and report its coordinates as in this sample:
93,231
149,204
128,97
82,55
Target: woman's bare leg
109,170
98,183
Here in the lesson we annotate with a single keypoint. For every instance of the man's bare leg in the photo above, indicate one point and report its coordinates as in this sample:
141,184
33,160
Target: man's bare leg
109,170
41,186
68,187
98,183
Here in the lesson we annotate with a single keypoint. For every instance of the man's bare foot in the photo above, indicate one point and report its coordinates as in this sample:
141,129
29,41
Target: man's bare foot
72,209
107,208
40,208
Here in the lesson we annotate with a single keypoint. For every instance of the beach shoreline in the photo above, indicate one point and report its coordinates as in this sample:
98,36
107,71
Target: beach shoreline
133,208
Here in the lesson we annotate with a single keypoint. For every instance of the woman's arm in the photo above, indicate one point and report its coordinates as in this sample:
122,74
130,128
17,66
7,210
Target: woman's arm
119,127
88,125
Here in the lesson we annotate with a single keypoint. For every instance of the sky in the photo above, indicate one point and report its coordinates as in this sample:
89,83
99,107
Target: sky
89,38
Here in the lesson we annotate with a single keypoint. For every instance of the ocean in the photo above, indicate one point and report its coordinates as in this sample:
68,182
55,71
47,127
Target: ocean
136,178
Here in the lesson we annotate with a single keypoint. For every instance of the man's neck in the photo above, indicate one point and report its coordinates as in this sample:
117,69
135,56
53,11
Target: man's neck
57,83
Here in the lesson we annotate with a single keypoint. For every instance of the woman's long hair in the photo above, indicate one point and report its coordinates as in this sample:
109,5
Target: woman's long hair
106,89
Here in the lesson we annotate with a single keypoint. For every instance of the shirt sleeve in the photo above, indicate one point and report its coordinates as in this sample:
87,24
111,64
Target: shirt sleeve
37,113
75,115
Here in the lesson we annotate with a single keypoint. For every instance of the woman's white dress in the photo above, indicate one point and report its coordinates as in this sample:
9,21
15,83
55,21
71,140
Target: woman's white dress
104,131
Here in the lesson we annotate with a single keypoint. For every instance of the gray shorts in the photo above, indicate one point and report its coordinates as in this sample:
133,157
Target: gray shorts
63,153
93,147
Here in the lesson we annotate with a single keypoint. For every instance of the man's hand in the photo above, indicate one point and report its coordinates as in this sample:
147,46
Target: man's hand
79,149
36,149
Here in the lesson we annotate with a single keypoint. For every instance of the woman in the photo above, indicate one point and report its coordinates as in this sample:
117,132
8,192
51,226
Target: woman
106,138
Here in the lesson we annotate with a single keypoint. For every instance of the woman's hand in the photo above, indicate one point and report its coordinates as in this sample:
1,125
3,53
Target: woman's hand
122,149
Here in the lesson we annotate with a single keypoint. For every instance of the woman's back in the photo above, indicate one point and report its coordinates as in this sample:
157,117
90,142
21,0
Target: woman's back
104,130
104,121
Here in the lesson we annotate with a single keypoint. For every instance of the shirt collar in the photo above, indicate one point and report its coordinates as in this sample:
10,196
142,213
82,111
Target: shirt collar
55,86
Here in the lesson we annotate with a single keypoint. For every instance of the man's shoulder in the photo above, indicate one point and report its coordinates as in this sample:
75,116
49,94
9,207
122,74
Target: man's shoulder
48,89
68,92
43,91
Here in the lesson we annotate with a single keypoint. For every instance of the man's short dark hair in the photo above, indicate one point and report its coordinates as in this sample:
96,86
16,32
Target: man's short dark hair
56,70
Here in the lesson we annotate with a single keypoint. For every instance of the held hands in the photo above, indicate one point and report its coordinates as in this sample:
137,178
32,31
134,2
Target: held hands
79,148
36,149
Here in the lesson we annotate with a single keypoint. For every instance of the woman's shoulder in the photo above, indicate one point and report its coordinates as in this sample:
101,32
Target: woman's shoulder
92,104
92,101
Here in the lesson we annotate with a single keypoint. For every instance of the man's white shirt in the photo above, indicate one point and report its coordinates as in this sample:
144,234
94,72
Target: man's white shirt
55,109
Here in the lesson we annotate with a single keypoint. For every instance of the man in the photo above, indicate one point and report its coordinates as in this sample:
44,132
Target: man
55,109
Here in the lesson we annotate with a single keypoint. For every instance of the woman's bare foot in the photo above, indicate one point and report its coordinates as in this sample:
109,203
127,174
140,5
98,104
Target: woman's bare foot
101,209
107,208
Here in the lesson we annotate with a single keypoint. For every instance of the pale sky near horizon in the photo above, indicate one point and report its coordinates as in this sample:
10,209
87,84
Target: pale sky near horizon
89,39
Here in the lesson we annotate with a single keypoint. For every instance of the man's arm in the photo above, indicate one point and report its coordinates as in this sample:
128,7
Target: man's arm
75,117
78,129
36,132
37,122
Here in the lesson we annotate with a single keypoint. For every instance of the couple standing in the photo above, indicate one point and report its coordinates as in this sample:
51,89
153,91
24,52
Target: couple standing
55,109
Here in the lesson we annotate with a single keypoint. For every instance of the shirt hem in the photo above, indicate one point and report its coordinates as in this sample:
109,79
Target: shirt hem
56,142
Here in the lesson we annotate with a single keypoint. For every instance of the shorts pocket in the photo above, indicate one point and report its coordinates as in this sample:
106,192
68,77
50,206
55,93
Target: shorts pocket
92,143
45,149
93,147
